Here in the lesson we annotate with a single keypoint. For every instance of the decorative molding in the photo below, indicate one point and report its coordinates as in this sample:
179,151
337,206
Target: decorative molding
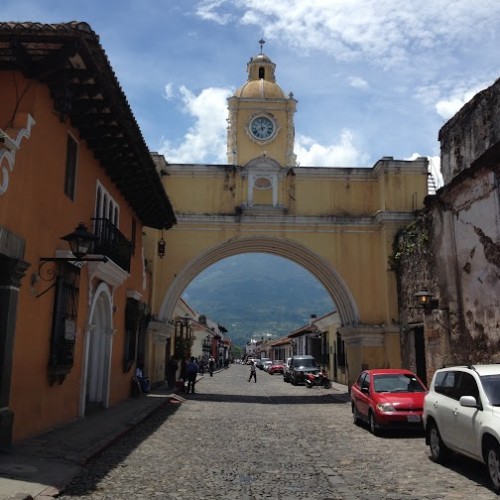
8,152
108,272
363,335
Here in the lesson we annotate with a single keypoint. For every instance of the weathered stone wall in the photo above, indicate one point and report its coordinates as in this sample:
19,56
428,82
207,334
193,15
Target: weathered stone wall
414,261
458,252
471,133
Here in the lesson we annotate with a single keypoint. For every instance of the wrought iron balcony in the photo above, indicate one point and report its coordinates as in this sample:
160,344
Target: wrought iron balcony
111,243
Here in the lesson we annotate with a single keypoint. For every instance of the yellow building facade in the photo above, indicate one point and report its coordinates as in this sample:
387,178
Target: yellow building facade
338,223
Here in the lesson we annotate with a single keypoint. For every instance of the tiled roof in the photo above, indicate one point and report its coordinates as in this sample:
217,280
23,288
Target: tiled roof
69,59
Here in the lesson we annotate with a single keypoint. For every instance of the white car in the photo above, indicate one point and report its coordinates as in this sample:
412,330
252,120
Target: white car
462,415
266,364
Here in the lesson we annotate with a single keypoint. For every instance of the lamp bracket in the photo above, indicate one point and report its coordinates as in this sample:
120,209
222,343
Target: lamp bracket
50,274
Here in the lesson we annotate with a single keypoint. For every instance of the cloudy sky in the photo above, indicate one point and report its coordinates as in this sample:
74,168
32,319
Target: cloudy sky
372,78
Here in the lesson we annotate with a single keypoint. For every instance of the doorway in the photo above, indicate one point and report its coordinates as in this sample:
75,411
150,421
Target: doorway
98,354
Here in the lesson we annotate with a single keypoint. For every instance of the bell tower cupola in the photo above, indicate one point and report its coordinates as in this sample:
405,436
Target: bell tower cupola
260,122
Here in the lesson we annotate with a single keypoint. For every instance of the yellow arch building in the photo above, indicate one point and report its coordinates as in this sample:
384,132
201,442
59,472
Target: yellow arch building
339,223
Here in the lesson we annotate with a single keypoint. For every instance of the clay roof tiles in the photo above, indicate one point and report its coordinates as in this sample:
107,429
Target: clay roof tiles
69,59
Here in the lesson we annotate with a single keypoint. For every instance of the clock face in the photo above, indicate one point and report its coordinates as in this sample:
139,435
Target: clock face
262,127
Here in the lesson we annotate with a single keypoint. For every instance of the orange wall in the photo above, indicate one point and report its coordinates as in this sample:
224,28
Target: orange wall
36,208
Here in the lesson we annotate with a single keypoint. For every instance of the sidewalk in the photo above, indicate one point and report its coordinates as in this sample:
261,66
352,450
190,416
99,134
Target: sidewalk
39,468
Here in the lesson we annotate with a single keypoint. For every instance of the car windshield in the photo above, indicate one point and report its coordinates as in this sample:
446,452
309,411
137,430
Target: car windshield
277,362
307,362
491,385
397,382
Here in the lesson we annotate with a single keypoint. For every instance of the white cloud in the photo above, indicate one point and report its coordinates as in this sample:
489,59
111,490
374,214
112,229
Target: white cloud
386,32
343,154
208,10
434,168
205,141
448,107
169,91
358,83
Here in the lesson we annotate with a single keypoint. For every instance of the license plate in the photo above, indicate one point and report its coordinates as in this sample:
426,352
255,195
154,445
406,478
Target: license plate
413,418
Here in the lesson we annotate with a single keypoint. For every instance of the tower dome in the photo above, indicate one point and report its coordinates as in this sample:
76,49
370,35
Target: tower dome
261,83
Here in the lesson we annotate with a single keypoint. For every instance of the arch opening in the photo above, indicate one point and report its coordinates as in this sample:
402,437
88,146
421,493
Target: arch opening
281,247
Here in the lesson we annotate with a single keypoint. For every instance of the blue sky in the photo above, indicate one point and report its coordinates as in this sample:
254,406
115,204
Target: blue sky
372,78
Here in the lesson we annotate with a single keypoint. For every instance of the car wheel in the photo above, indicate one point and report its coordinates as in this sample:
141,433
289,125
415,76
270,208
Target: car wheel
439,451
493,463
373,424
355,415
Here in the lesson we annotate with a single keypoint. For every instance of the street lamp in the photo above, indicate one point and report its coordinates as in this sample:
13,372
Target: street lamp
425,299
80,242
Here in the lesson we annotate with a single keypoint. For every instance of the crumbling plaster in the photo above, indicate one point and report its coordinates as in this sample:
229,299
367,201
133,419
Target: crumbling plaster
459,231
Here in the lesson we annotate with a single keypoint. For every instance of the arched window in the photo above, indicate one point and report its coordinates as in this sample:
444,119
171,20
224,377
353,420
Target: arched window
98,203
262,72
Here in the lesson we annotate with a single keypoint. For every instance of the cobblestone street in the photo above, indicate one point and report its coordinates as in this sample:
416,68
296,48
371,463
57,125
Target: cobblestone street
240,440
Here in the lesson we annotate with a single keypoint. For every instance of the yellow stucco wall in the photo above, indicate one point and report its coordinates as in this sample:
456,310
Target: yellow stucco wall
339,223
347,219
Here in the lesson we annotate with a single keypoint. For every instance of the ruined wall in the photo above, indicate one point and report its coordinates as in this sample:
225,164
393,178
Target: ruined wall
453,248
470,254
414,261
471,133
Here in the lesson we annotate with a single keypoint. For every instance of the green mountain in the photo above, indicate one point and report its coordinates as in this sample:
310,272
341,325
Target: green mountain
255,294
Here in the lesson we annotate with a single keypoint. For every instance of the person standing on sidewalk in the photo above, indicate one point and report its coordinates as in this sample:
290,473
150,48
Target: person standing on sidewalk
191,372
253,372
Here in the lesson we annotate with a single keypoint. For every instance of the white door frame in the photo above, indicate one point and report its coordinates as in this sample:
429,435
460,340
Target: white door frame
97,349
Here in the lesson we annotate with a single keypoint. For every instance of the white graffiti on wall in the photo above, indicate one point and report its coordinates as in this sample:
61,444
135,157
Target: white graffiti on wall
8,154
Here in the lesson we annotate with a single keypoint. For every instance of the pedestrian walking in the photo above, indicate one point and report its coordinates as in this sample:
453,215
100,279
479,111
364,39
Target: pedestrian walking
253,372
211,366
191,372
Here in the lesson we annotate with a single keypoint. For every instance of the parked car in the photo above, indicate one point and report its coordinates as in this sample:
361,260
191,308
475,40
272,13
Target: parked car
299,365
260,363
388,398
276,367
266,365
462,415
286,370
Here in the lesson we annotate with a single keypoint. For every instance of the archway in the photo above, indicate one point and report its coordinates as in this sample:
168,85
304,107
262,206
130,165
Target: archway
281,247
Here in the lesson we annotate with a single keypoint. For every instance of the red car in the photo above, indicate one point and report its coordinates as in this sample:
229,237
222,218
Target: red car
276,367
388,398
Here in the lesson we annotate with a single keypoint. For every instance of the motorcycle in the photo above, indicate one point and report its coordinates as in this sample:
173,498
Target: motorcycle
317,379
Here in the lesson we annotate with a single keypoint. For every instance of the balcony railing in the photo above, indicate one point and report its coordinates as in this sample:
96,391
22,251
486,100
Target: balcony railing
111,243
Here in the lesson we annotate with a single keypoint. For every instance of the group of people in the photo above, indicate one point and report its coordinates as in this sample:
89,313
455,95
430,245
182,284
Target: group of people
188,371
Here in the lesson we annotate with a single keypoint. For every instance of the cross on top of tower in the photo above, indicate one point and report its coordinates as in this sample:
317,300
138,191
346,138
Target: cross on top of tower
261,42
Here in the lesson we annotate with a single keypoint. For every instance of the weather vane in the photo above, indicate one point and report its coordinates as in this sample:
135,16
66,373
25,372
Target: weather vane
262,42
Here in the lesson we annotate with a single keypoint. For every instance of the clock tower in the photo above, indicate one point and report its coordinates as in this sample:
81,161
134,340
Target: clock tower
260,123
